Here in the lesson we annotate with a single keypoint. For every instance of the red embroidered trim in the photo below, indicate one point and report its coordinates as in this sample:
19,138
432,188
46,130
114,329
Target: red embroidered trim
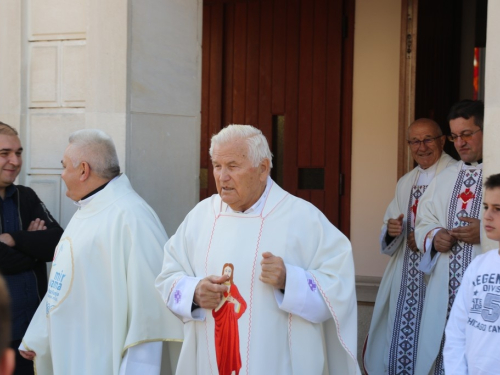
290,316
330,307
250,303
206,274
208,347
210,245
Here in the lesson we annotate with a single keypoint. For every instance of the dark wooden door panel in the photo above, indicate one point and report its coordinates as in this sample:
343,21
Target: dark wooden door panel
269,62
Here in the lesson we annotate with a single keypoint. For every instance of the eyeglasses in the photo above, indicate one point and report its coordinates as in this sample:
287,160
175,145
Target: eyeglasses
426,141
466,136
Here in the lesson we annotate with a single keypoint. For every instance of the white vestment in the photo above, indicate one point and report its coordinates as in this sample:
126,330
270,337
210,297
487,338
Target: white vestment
101,298
400,297
440,207
271,341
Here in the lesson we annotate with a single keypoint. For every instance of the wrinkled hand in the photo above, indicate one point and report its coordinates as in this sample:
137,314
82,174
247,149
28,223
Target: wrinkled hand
470,233
273,271
37,224
411,242
208,292
7,239
395,226
443,241
29,355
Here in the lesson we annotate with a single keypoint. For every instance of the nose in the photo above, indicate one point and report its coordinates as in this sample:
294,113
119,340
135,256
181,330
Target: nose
459,142
422,145
224,175
487,214
15,160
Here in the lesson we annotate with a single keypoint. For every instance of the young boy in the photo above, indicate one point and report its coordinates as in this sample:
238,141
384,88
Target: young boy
6,354
472,344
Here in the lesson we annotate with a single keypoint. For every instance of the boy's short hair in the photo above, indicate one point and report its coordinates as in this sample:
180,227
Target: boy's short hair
4,317
492,182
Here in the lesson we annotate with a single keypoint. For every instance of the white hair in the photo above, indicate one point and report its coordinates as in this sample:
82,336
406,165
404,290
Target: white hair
258,148
96,148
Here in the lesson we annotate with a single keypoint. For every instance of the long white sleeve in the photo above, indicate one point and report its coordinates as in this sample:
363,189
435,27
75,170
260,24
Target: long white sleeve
389,248
180,300
142,359
455,344
428,262
302,296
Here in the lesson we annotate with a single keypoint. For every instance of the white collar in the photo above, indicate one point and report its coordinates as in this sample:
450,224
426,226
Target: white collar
473,165
431,169
83,202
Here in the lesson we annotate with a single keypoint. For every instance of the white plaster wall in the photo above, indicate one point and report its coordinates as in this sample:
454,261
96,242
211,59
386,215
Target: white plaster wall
491,137
107,75
165,102
53,92
57,19
375,127
76,77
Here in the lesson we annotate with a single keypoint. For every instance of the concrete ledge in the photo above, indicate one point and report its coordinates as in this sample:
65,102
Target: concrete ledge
367,288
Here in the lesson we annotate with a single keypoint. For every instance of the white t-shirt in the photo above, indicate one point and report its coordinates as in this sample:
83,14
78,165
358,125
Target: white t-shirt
472,343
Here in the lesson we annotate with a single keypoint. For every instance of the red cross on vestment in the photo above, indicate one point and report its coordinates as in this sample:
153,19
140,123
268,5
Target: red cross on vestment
466,196
414,210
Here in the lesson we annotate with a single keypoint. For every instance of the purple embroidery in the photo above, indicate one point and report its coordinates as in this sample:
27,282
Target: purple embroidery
177,296
312,285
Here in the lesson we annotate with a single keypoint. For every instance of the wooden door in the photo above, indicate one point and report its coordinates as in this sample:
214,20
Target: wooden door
284,66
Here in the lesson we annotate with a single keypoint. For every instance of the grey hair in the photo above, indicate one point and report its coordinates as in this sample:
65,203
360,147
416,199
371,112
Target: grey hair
96,148
258,148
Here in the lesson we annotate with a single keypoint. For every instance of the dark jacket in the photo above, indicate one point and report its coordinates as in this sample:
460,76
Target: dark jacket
32,249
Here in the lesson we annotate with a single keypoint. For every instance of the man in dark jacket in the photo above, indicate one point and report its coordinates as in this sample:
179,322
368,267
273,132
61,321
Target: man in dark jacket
29,235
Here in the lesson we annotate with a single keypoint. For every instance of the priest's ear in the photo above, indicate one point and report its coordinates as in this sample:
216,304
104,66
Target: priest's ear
84,171
7,362
264,169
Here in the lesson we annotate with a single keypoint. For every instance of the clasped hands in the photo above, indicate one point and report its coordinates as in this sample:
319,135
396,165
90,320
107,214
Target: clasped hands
445,239
395,228
209,291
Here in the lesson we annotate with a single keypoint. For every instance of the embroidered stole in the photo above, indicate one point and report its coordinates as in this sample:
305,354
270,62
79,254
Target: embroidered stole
466,202
403,353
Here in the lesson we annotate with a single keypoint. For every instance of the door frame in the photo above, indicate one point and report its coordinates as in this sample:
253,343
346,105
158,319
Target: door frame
407,81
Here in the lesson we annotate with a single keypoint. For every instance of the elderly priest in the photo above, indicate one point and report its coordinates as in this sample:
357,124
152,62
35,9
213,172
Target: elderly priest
102,314
392,342
262,280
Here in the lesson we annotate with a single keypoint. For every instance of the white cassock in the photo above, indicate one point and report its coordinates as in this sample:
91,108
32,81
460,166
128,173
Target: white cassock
101,300
267,338
457,191
392,340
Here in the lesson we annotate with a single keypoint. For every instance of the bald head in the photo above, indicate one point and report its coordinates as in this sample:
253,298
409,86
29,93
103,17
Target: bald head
426,142
430,124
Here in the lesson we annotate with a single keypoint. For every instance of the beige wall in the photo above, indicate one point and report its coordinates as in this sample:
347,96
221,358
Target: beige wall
375,127
492,93
10,63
